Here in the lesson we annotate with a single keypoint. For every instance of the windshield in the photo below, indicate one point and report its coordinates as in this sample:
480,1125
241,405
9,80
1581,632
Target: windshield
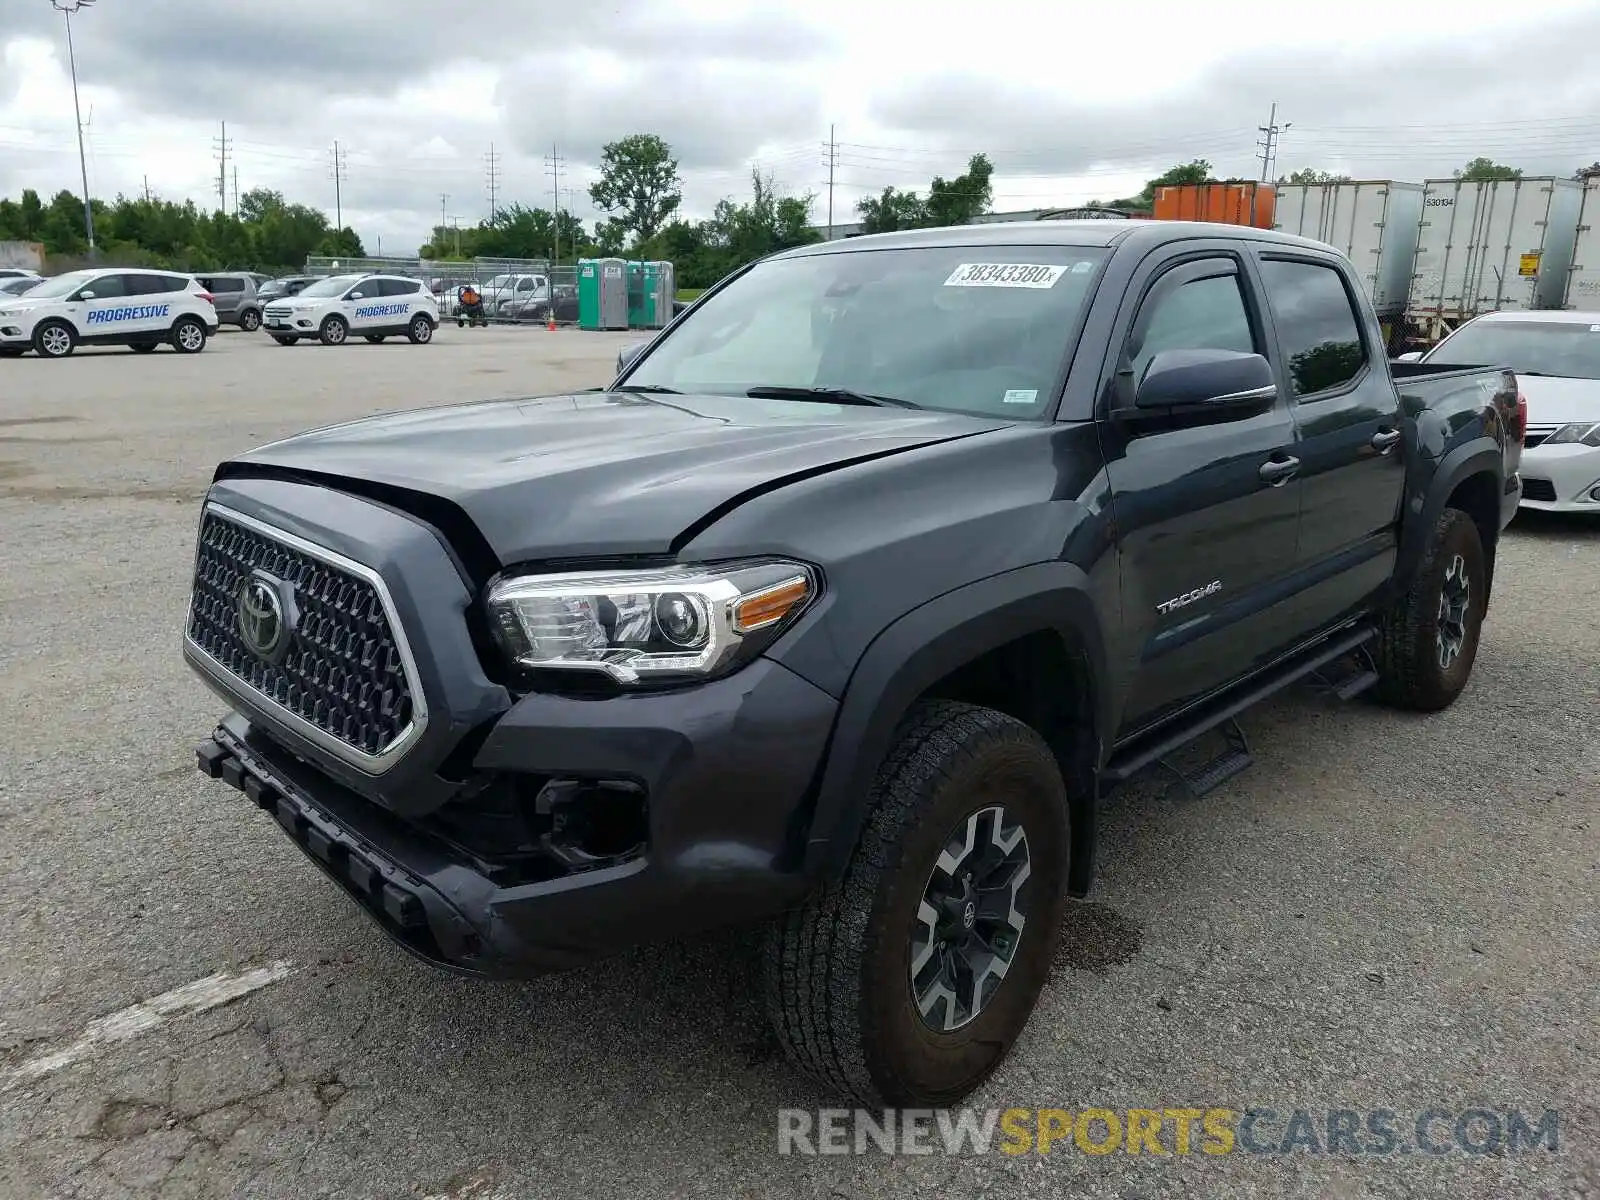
335,285
1567,348
61,285
15,287
499,281
963,328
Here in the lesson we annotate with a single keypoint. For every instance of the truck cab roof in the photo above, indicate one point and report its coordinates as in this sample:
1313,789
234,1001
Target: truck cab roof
1141,233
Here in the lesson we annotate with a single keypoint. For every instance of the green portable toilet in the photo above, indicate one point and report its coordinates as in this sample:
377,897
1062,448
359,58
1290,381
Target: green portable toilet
588,294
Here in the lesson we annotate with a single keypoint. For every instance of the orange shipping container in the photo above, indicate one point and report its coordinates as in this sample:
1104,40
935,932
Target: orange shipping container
1245,203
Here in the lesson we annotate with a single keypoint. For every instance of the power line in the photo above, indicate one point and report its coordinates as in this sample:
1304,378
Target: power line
553,162
220,147
832,148
1269,143
492,175
339,173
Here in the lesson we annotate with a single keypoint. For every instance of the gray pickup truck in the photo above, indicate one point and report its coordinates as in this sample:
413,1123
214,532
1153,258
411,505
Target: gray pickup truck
843,608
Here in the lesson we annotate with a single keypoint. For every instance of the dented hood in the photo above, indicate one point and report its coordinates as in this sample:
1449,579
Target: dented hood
600,473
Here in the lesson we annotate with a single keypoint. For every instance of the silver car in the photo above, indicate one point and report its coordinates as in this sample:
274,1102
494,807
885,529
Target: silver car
233,293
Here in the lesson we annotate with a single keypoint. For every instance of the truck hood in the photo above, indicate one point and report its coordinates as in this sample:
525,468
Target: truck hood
1553,400
602,473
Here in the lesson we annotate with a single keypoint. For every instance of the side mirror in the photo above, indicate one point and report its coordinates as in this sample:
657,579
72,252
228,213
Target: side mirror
1410,356
86,294
356,296
627,354
1185,382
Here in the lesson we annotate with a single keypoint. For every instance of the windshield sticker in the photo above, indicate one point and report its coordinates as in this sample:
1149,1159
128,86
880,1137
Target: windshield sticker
1017,275
1594,329
1082,268
1020,396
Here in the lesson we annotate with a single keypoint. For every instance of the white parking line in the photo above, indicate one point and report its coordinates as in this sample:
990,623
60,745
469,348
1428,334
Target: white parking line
139,1019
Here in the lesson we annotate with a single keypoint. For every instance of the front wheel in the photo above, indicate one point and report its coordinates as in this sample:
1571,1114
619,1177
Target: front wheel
1429,639
334,331
250,320
54,339
421,331
906,982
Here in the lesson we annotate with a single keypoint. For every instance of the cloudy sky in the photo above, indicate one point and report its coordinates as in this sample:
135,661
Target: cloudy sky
1066,102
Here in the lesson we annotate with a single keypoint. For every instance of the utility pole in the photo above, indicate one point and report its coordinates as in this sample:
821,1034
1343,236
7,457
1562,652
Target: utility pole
492,171
236,190
66,8
444,220
553,163
832,148
221,145
1271,132
338,187
147,189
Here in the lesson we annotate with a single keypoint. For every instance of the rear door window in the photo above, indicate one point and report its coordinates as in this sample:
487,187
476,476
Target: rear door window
1319,326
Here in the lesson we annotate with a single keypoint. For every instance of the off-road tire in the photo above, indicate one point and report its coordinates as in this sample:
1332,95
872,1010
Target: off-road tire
838,983
1410,674
335,331
189,335
57,347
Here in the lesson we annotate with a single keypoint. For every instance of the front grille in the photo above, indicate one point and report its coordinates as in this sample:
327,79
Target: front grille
1538,489
279,313
343,673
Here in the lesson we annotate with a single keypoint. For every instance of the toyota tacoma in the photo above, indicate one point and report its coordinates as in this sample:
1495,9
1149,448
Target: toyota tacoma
843,607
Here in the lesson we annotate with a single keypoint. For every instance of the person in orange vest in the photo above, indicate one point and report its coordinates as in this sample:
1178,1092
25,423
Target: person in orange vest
471,306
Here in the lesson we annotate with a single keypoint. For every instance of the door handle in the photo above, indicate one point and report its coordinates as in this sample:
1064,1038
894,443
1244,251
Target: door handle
1276,472
1385,440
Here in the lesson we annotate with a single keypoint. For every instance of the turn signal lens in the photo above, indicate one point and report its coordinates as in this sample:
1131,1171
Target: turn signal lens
770,605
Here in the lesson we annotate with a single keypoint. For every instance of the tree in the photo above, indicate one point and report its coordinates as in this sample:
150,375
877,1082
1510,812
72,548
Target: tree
736,233
1195,171
639,183
894,209
964,197
1312,175
1589,172
1486,170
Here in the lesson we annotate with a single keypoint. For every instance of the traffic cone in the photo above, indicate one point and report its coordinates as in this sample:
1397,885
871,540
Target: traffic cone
550,319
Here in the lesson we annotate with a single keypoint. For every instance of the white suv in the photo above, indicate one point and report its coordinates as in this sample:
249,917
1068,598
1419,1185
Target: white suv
373,306
107,307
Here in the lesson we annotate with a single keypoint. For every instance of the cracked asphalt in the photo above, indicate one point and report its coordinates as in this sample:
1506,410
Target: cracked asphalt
1386,912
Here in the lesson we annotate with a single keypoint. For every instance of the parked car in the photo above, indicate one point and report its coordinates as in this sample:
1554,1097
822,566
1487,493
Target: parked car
1556,355
372,306
17,285
840,609
141,309
285,285
505,289
236,298
563,301
18,273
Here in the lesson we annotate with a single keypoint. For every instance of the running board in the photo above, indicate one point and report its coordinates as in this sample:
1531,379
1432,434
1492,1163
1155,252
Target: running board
1235,759
1162,742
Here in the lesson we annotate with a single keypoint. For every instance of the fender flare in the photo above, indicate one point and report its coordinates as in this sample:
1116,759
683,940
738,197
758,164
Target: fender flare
924,646
1481,455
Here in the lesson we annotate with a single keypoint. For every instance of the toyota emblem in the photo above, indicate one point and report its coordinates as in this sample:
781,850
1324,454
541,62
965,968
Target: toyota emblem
262,623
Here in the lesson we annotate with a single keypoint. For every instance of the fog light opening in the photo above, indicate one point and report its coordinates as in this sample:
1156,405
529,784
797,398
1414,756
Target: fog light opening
593,822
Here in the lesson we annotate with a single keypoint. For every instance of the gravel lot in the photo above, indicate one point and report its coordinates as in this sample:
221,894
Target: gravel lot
1387,912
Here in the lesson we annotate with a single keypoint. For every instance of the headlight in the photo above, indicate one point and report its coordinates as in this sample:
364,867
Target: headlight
1585,432
673,622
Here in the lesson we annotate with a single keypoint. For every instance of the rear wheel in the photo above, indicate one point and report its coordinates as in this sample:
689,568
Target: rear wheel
54,339
1430,637
334,331
420,331
250,320
188,335
907,981
283,340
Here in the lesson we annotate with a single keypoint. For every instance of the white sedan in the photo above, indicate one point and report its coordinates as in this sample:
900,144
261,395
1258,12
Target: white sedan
1556,356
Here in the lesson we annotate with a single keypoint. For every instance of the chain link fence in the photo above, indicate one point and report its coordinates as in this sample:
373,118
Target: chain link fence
511,291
